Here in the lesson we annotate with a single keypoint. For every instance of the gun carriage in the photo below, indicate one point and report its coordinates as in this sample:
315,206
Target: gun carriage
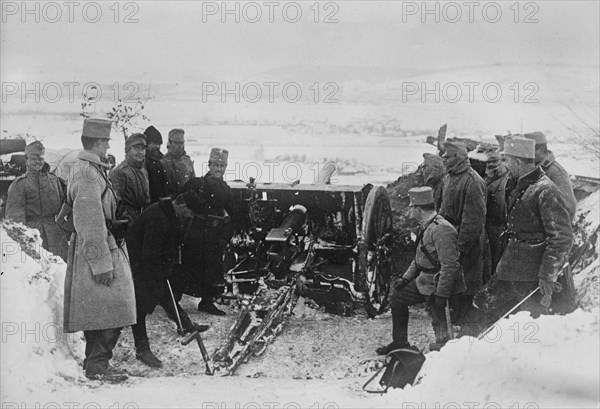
331,243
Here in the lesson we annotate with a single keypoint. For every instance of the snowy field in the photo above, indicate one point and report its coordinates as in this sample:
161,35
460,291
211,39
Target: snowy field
526,363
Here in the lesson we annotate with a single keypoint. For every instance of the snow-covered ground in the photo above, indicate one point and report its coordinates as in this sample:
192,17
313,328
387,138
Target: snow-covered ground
552,361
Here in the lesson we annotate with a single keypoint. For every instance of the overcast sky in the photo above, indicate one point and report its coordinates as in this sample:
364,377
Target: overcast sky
171,42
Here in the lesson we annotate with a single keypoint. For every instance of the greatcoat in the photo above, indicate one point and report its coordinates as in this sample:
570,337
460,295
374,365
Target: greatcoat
92,251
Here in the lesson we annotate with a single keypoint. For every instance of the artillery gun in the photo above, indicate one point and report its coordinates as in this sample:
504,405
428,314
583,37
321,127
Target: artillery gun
331,243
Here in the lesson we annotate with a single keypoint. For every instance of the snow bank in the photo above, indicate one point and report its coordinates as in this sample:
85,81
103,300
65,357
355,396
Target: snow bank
35,352
551,361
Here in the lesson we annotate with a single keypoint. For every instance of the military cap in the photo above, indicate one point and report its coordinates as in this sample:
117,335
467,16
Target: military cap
432,160
96,128
218,155
153,135
176,135
538,137
135,139
35,148
519,147
458,148
420,196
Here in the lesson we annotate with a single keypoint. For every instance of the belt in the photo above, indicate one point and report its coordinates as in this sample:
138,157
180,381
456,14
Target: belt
428,270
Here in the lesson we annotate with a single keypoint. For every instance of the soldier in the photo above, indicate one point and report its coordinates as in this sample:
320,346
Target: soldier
496,177
540,237
157,175
130,180
552,169
35,198
206,243
99,294
217,162
434,175
178,165
433,276
154,242
464,206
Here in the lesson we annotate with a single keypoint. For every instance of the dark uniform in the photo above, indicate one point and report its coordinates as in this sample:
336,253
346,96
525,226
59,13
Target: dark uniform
496,180
34,199
157,175
154,243
203,248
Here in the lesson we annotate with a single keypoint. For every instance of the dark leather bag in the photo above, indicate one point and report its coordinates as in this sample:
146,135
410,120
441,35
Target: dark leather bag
401,369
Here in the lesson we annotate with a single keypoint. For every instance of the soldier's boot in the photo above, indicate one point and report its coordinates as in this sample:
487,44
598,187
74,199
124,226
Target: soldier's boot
146,356
440,327
209,307
97,366
189,325
399,331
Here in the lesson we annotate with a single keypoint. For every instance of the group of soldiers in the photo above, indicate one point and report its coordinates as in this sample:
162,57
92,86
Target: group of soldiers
148,230
486,244
144,233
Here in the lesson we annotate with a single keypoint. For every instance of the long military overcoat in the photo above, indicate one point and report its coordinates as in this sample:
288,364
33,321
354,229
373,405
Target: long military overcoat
464,206
92,251
157,175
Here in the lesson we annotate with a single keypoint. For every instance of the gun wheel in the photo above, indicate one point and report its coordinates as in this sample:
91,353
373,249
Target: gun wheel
374,250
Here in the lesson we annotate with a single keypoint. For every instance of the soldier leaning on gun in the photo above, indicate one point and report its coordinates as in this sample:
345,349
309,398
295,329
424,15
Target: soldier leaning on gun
154,242
540,237
434,275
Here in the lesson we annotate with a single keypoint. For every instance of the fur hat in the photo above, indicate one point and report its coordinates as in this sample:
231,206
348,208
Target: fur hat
153,135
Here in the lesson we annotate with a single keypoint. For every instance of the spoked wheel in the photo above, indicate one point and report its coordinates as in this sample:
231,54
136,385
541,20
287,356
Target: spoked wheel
374,250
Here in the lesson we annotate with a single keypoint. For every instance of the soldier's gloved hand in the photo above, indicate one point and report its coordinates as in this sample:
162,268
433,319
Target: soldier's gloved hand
546,287
439,302
400,283
104,278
